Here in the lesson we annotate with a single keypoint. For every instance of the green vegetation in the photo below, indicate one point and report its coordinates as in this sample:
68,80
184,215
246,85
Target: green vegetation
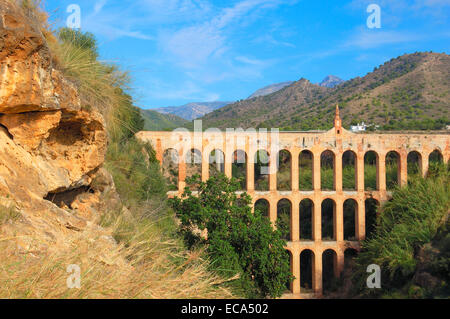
154,121
411,242
237,241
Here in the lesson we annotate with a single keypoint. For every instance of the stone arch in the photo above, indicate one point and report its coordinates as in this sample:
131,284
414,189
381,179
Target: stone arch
371,169
350,219
392,170
284,165
239,168
329,269
307,271
328,219
371,210
263,205
284,218
261,169
305,163
216,162
170,162
414,163
327,170
306,219
349,170
193,160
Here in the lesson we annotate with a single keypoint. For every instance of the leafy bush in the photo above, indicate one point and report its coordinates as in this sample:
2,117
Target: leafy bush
238,241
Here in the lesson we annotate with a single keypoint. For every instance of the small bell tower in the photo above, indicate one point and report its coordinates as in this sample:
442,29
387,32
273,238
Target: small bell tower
337,122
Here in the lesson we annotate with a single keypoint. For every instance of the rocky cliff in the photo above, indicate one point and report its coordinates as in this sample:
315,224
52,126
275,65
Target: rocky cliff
51,150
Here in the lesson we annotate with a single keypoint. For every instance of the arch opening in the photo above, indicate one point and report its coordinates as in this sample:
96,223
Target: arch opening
306,271
216,163
193,167
239,168
392,170
306,219
327,168
262,205
170,168
349,263
371,210
350,225
349,170
305,164
328,219
329,270
261,169
435,159
284,178
414,164
371,171
284,212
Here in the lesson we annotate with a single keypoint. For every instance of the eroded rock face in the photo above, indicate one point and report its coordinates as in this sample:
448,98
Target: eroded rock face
49,146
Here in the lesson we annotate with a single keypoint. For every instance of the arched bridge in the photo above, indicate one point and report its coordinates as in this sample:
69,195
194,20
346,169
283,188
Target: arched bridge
322,231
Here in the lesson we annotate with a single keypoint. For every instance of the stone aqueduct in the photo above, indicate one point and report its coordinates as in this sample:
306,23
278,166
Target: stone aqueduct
338,141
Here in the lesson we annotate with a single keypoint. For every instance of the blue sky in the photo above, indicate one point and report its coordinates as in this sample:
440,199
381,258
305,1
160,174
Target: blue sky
181,51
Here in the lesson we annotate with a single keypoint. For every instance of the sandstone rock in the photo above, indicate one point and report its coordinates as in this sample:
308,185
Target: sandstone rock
51,150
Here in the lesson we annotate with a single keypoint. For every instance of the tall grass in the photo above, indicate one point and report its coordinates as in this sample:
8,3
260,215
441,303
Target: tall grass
407,222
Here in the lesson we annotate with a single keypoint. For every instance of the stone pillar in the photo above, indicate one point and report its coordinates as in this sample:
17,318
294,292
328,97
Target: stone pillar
381,173
359,172
338,172
424,164
294,171
273,172
250,174
317,221
159,151
296,272
316,171
295,220
338,220
361,220
273,207
205,165
403,169
228,164
181,171
317,273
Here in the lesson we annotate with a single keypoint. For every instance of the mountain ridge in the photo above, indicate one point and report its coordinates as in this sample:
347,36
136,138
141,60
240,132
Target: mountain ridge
407,92
193,110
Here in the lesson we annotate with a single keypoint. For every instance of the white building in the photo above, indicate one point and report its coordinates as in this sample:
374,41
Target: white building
359,127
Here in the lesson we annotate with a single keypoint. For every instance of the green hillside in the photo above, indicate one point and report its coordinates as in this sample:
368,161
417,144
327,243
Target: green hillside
408,92
154,121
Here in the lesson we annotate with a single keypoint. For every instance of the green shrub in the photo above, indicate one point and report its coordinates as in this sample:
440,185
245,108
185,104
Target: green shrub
238,241
412,219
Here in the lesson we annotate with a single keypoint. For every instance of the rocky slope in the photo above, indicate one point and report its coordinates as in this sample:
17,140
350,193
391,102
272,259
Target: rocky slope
331,81
51,150
270,89
192,111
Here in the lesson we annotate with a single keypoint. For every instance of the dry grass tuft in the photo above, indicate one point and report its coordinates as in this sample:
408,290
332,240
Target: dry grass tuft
145,265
